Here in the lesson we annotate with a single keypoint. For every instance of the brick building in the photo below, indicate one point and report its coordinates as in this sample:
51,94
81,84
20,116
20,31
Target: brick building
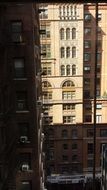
21,137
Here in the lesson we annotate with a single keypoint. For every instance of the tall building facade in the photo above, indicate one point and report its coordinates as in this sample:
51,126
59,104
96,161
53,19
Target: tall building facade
21,138
68,51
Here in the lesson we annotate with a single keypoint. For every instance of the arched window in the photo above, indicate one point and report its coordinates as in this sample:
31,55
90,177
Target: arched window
67,33
62,52
73,33
68,52
62,33
73,52
68,70
68,84
62,70
46,84
73,69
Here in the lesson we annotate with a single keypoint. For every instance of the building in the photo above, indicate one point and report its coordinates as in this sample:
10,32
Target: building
68,52
21,137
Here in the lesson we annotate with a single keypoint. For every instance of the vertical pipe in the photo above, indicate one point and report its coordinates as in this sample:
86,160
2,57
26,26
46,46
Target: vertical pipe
95,88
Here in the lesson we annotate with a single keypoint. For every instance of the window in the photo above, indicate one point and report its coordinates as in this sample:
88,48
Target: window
19,68
74,133
21,100
48,120
73,33
64,157
68,84
87,17
74,158
98,106
68,119
87,44
68,106
26,185
89,163
51,155
25,161
90,132
45,50
67,52
67,34
87,31
74,146
62,52
73,52
68,70
64,133
99,16
46,70
73,69
47,95
51,133
47,107
87,81
45,29
86,94
98,118
44,14
88,118
23,130
46,84
90,148
68,95
88,106
16,27
87,56
62,33
98,56
65,146
62,70
87,69
103,132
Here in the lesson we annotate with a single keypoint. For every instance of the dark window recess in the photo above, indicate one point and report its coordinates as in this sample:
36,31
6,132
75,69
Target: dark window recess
103,133
16,31
86,94
23,132
74,133
25,185
25,161
21,101
88,118
64,133
74,146
90,163
90,148
19,68
90,132
64,157
65,146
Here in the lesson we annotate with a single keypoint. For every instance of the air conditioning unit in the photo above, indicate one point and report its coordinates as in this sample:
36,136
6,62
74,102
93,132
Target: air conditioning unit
25,167
23,139
39,102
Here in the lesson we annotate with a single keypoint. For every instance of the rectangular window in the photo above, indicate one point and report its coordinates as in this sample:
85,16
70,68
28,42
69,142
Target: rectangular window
68,95
69,119
98,118
68,106
103,132
87,44
25,161
90,148
47,95
46,70
45,50
88,106
87,17
86,94
48,120
88,118
45,31
98,106
87,31
87,56
90,163
99,16
19,67
74,133
87,82
21,101
23,132
90,132
26,185
87,69
64,157
16,27
98,56
51,155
